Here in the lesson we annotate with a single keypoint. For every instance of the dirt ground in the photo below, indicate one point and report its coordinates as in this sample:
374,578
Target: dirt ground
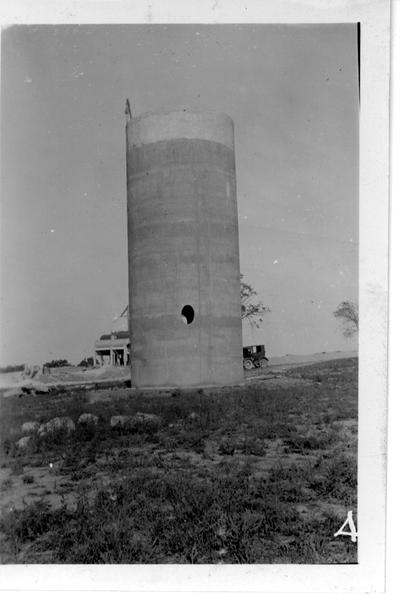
264,472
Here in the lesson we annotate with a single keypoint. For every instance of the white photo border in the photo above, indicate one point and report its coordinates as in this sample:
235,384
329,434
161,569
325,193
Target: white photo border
368,574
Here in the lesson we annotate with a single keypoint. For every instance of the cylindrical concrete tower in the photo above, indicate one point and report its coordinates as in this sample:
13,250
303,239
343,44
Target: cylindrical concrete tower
183,249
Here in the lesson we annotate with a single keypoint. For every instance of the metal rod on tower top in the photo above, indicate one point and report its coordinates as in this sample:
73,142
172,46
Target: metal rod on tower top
128,112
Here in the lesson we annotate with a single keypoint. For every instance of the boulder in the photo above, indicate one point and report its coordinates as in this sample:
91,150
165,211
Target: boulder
23,442
57,424
138,421
122,421
149,419
30,427
88,419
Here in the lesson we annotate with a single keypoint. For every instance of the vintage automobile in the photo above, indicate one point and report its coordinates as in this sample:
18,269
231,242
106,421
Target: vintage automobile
254,357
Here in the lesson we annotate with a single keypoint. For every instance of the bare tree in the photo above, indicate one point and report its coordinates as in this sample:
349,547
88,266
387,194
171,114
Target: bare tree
347,313
252,311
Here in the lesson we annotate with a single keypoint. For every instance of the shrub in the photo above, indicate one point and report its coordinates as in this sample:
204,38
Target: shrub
57,363
16,368
27,478
252,446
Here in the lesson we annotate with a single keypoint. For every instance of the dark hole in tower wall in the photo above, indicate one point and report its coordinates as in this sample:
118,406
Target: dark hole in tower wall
187,313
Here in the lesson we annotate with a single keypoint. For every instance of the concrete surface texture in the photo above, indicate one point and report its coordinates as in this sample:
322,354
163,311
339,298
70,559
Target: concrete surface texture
183,249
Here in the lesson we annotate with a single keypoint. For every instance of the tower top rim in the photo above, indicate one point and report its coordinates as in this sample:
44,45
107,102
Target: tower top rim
151,127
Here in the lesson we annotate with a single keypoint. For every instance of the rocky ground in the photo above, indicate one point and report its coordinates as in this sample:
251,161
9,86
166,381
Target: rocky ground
264,472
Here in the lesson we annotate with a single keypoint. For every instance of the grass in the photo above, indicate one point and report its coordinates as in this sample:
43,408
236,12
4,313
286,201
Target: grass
255,474
180,519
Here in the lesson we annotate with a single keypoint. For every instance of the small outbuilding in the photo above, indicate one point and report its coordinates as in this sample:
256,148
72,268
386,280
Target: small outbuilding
113,349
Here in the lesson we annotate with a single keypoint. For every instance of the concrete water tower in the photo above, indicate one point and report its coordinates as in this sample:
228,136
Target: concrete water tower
183,250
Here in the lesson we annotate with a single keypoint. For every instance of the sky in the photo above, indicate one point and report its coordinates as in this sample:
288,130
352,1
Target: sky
292,91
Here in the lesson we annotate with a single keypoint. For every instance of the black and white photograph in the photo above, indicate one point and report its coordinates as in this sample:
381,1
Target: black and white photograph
181,285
